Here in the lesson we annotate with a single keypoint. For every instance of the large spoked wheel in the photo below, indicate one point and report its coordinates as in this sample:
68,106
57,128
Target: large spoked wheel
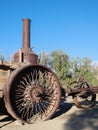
84,101
32,94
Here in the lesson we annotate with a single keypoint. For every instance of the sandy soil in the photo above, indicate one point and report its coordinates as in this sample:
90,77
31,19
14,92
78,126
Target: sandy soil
68,117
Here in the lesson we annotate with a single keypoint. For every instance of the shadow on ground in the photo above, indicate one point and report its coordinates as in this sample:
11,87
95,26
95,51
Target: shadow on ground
79,120
83,120
5,118
64,107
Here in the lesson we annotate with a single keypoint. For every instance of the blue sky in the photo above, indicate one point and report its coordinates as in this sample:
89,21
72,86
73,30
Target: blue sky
70,25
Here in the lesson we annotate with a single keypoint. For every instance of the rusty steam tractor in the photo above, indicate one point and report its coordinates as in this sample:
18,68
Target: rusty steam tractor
31,92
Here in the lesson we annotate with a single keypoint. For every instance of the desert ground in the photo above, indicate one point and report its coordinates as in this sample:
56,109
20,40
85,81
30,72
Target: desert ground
67,117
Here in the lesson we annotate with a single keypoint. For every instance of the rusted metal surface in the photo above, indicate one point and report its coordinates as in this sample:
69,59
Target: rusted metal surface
84,95
5,70
81,91
25,54
4,74
85,101
95,89
32,93
81,87
26,33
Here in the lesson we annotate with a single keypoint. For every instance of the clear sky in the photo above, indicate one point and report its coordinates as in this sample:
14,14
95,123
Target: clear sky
70,25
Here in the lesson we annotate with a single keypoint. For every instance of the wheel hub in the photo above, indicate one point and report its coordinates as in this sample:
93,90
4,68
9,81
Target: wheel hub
35,93
32,93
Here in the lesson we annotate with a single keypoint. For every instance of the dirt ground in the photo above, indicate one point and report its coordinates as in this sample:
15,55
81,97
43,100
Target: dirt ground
68,117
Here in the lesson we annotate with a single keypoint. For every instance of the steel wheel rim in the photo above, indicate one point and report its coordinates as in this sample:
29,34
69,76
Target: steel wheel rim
85,103
37,97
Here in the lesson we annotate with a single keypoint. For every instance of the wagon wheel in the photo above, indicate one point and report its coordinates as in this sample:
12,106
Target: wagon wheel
32,94
85,102
86,98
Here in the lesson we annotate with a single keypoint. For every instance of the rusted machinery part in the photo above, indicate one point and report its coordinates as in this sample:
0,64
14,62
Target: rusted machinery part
32,93
85,102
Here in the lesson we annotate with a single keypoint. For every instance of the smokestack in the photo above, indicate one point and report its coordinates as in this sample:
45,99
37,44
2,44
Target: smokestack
26,33
25,54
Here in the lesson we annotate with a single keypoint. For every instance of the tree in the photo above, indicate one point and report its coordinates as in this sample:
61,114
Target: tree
68,69
83,66
60,65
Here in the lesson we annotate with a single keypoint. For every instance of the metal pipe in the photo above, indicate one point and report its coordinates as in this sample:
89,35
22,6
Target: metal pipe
26,33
